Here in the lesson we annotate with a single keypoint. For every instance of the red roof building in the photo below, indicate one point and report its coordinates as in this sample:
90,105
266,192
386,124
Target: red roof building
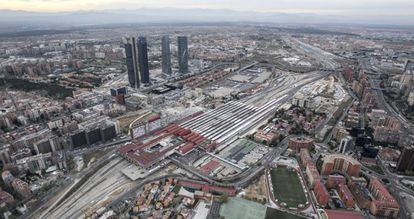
384,204
186,148
312,174
210,166
339,214
342,163
305,157
321,193
334,180
346,196
263,135
348,74
22,188
208,188
298,143
5,198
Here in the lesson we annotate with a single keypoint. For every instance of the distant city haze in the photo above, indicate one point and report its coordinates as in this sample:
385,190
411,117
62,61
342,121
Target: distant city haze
342,7
313,11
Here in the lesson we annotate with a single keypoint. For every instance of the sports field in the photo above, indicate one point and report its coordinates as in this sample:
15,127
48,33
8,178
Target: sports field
238,208
287,187
274,214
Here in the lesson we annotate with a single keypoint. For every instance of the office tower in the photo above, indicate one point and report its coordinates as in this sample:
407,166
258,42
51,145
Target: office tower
143,60
131,62
166,55
182,54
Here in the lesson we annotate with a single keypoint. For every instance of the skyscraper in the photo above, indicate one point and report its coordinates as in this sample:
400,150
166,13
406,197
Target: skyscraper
166,55
182,54
131,62
143,60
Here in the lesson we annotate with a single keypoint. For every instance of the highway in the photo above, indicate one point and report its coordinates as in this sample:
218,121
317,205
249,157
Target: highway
278,92
109,185
324,57
103,182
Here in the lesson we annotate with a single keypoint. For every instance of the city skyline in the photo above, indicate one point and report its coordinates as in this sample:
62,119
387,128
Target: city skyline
207,109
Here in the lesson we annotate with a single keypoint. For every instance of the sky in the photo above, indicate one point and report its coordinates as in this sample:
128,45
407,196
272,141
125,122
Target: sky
323,7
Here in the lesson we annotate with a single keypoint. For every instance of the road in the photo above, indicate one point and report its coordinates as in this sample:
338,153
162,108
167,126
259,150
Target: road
394,186
382,103
285,92
243,179
324,57
109,185
108,145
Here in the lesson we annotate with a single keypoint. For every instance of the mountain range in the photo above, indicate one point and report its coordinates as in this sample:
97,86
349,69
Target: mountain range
11,20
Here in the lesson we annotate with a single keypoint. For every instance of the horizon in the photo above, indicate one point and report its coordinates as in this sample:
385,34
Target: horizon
207,109
293,6
98,16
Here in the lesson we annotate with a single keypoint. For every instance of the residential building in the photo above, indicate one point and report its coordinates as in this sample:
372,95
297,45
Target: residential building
341,163
383,204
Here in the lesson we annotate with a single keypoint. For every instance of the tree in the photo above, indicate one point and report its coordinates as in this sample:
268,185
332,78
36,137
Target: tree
274,141
225,198
4,128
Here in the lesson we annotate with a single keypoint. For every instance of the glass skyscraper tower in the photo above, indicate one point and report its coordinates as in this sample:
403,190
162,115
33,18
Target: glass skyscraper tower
131,62
166,55
143,60
182,54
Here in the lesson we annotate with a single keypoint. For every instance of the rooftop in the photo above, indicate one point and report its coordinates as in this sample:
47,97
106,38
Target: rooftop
338,214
